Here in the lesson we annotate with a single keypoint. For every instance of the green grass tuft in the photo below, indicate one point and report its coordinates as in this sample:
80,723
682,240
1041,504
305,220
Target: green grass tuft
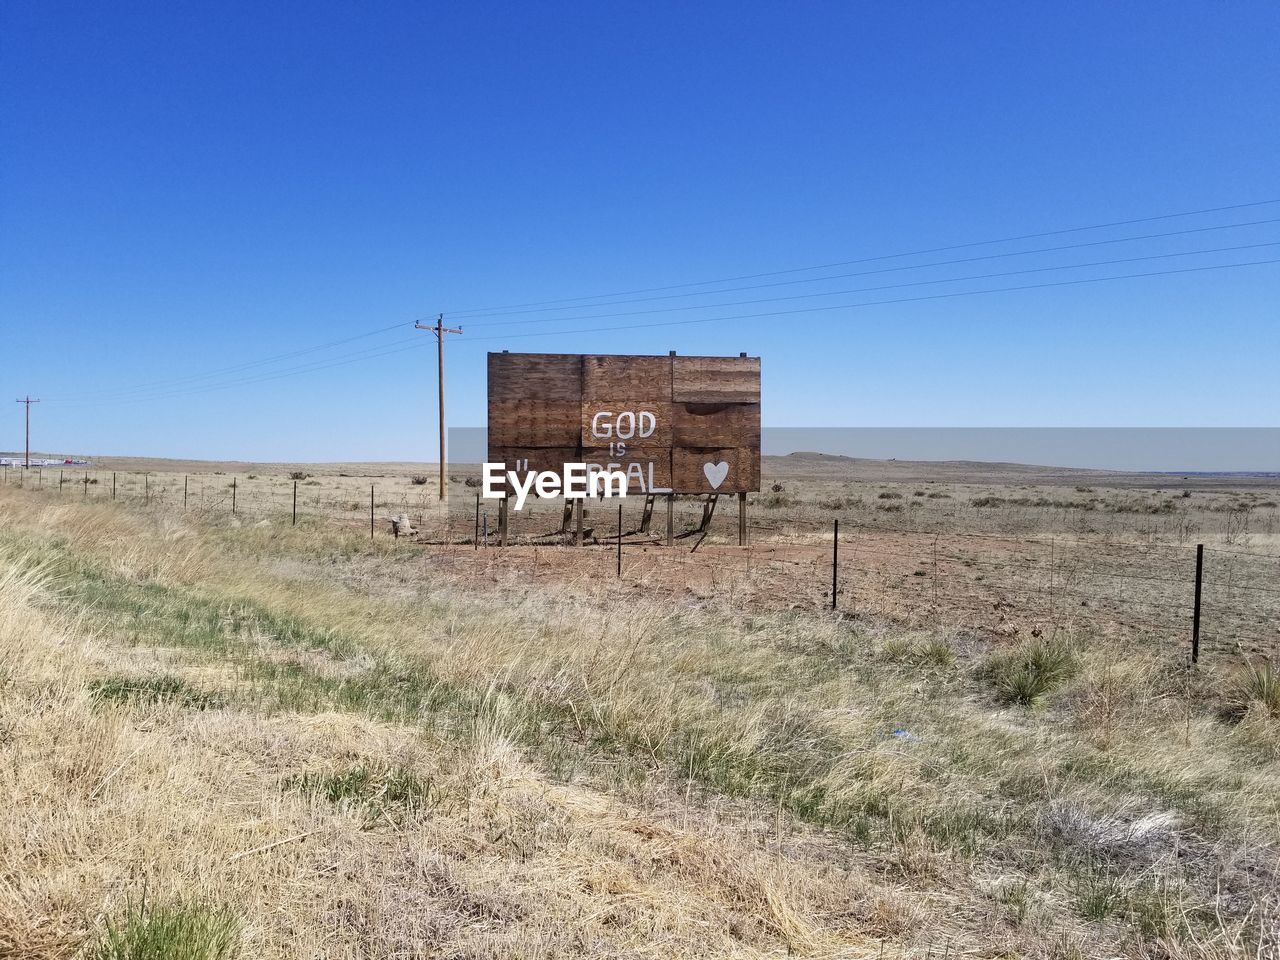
375,789
146,691
179,931
1031,671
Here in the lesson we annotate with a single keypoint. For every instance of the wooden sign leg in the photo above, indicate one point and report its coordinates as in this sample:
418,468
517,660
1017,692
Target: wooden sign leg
567,518
742,519
671,519
708,511
503,514
577,519
647,517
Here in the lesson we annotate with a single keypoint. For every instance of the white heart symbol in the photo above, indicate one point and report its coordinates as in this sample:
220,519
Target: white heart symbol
716,472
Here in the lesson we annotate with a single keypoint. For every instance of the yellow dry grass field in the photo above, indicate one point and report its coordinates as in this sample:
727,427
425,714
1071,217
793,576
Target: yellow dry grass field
232,736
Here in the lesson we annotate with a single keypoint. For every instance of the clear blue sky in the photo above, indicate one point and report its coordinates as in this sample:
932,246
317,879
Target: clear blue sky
185,188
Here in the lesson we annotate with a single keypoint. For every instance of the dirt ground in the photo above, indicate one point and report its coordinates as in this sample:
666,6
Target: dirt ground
1002,549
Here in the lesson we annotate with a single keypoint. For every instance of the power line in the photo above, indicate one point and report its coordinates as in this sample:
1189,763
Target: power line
888,256
875,303
887,286
865,273
212,374
372,353
399,345
211,380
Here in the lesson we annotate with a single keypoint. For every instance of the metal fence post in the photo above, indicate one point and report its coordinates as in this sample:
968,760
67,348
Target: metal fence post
619,539
477,537
233,494
371,511
835,561
295,503
186,481
1195,617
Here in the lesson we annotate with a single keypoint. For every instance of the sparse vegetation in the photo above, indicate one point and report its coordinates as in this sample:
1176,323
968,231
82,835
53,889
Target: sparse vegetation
295,723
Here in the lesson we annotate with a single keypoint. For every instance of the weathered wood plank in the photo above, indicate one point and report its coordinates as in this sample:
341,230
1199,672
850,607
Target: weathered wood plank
716,425
715,379
547,376
534,422
642,378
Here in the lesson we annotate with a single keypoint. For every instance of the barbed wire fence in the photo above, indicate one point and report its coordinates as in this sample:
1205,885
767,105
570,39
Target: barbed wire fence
1008,583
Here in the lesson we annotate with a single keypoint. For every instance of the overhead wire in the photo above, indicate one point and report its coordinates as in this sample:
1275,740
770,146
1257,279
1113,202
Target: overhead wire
887,286
231,369
483,318
876,303
881,257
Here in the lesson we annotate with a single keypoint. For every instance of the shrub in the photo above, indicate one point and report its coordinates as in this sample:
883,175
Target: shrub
1258,685
838,503
936,495
1026,674
298,475
419,480
179,931
889,495
777,488
472,482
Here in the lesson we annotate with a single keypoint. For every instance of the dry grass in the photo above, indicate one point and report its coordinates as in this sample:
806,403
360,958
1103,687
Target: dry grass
356,755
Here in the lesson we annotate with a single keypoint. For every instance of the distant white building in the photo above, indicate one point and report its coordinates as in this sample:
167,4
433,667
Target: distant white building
43,462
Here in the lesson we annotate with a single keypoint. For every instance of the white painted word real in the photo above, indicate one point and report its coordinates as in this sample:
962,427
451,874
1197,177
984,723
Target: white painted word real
580,480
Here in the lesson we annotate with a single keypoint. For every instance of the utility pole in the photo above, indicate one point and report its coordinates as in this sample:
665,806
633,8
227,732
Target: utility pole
439,329
28,401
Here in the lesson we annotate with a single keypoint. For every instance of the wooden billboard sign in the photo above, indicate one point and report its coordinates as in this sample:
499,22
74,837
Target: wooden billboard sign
673,424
